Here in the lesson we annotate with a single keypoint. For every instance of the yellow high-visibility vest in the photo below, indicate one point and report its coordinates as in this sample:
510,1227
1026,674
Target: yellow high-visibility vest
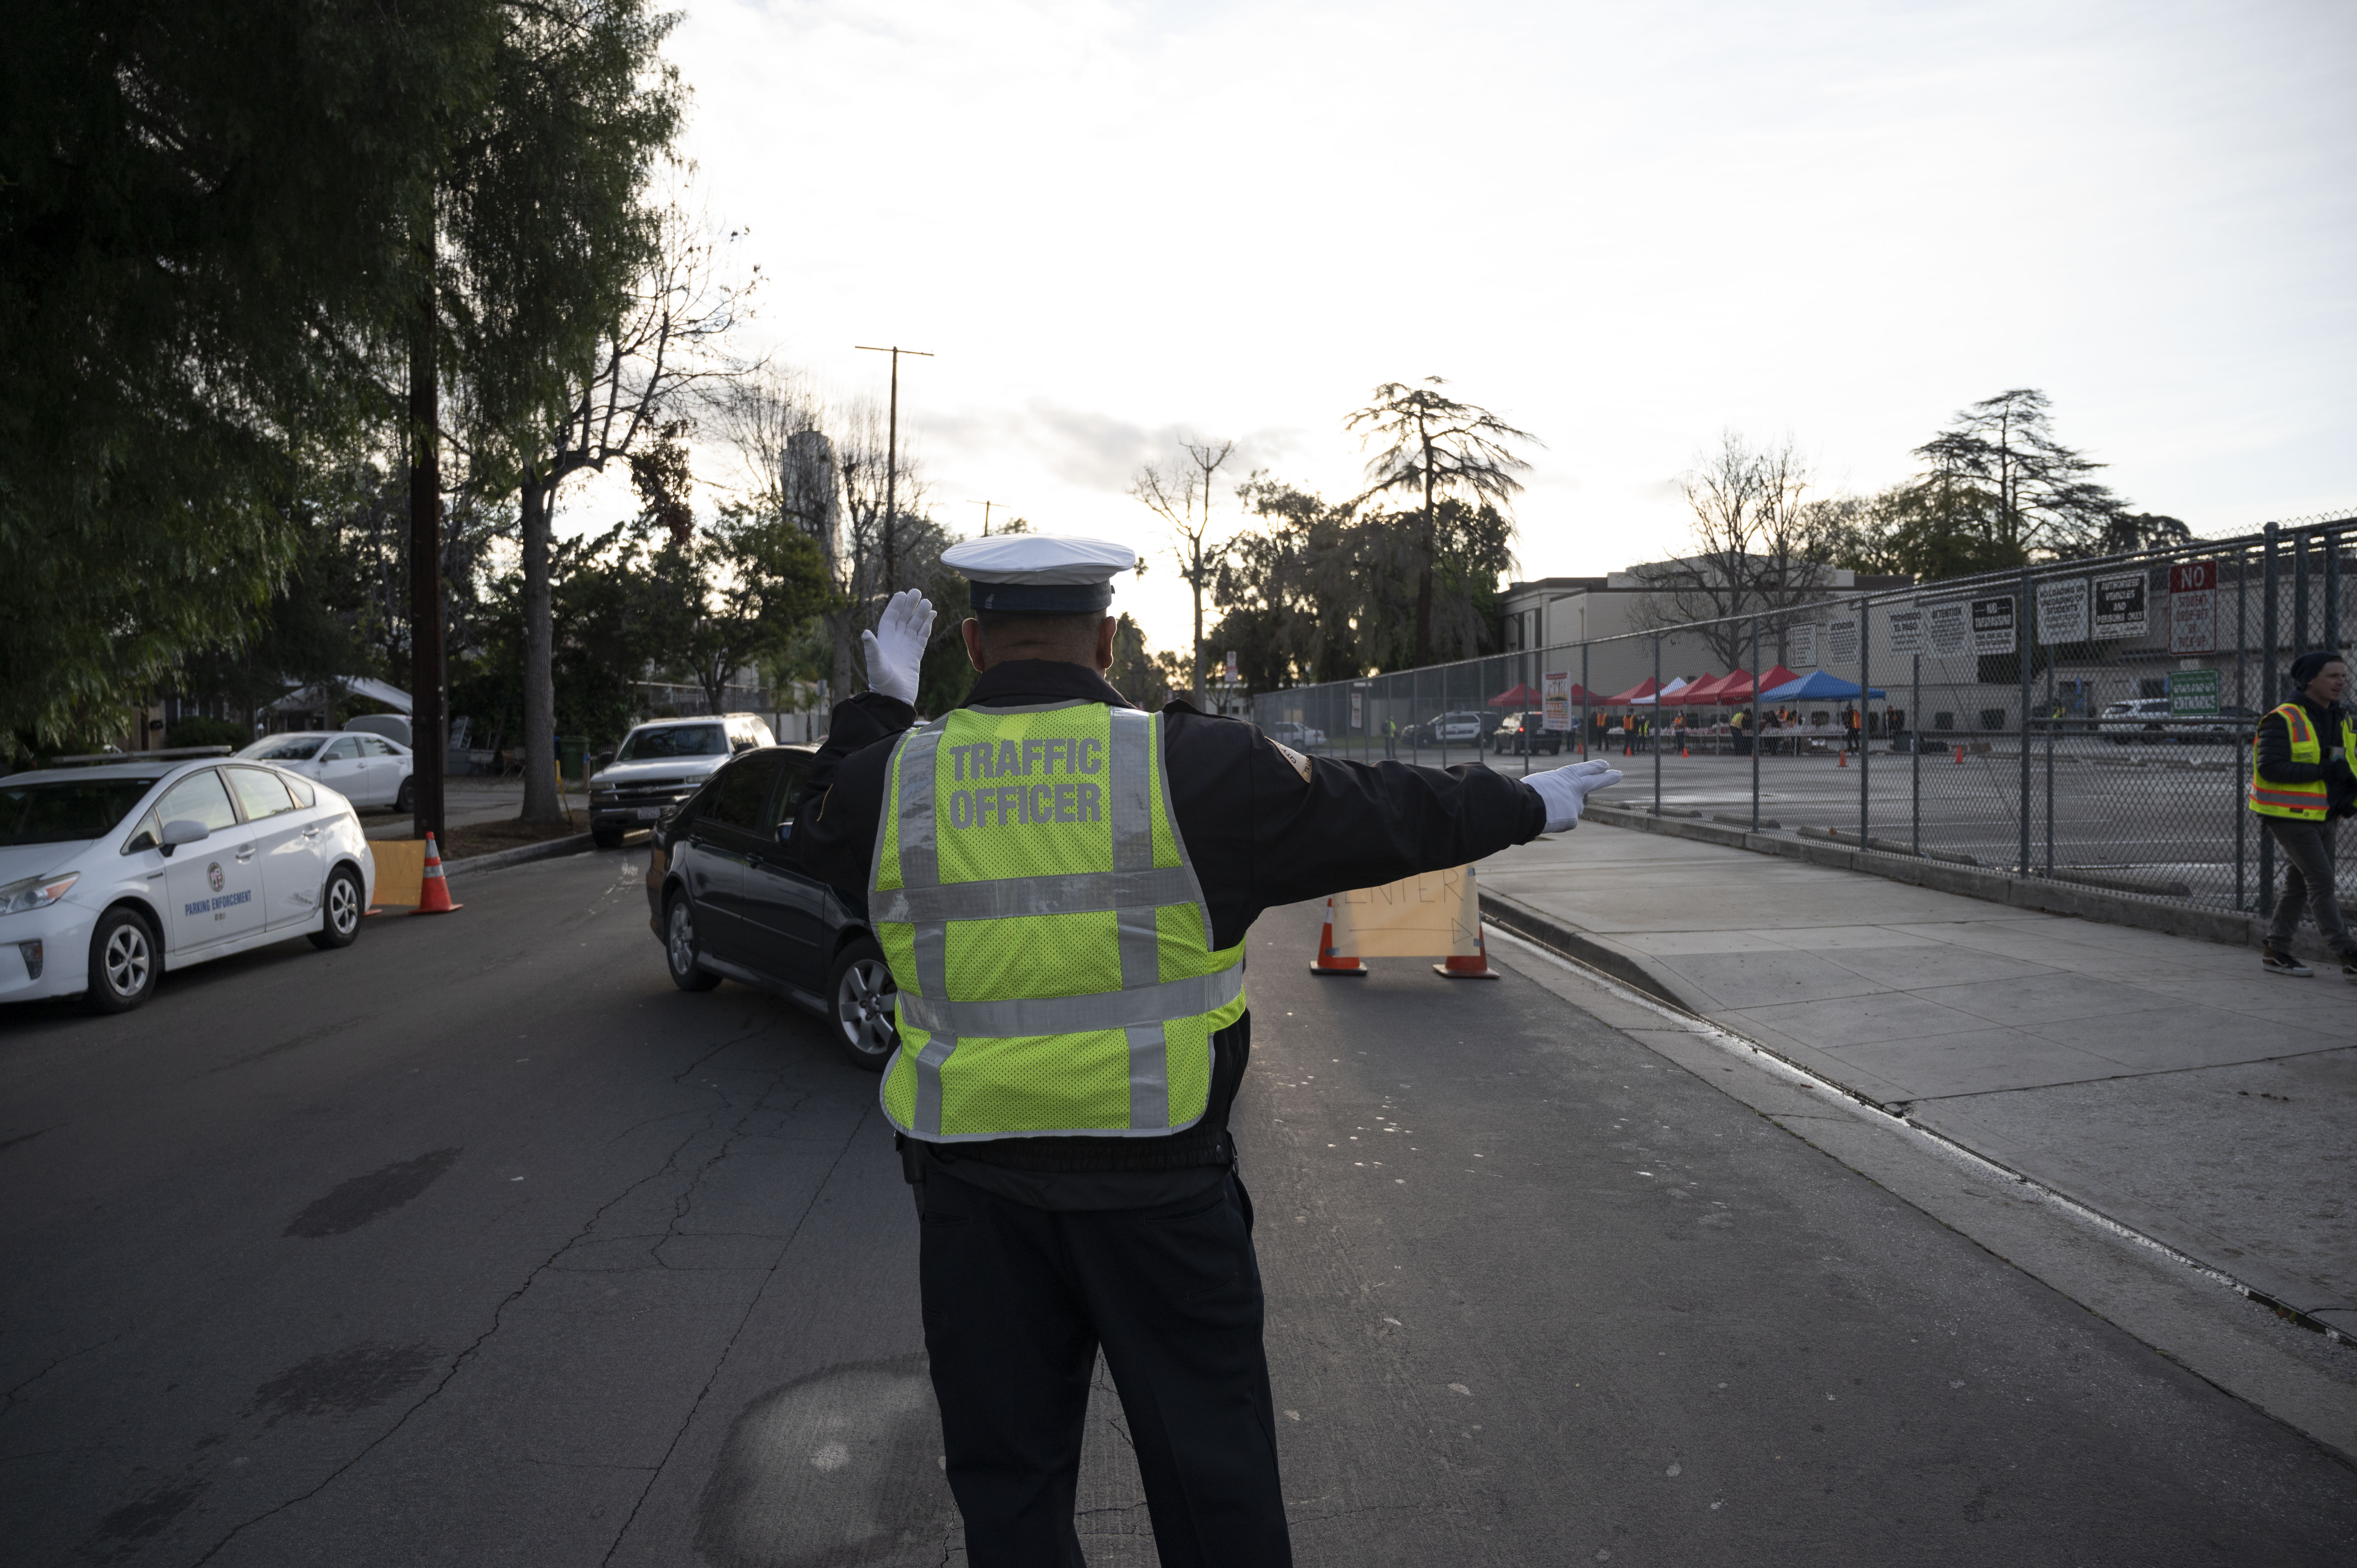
2305,802
1046,930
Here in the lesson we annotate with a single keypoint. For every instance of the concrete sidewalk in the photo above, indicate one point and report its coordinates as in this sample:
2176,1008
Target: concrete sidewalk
468,799
2160,1081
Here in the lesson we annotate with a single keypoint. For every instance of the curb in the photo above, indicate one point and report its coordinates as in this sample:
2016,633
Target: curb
550,849
2325,1314
2227,927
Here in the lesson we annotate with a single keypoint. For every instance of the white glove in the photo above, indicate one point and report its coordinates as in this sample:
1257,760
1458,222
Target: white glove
896,649
1566,791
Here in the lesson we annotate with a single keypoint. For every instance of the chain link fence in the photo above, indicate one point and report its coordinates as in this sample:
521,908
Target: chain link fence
2084,721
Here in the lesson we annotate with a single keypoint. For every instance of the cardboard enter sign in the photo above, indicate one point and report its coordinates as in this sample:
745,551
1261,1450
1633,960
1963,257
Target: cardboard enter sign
1432,915
400,870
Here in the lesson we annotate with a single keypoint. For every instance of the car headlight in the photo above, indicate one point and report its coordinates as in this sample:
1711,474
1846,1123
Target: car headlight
35,893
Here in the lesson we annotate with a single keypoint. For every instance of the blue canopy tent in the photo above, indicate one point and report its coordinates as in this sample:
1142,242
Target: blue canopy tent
1817,686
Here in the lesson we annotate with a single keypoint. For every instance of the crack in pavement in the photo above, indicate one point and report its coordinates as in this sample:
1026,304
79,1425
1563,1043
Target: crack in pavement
499,1316
8,1403
695,1406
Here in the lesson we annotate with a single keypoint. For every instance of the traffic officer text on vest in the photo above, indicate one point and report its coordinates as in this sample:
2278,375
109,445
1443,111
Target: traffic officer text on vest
2301,785
1063,885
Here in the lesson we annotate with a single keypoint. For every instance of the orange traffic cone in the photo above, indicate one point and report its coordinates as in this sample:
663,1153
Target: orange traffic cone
1960,754
1682,750
1844,757
434,892
1329,961
1474,965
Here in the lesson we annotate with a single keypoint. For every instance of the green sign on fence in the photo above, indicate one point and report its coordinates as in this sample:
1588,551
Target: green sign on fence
2193,693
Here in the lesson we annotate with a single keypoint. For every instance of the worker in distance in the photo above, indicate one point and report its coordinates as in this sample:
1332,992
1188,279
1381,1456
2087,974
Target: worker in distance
1062,884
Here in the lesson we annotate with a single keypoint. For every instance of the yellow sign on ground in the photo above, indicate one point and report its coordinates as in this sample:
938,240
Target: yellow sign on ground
400,870
1431,915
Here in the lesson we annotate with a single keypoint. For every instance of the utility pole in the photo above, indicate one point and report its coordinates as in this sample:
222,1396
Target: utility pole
891,453
429,729
986,507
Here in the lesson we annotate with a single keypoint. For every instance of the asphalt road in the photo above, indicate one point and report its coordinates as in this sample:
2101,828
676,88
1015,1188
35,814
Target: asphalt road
478,1243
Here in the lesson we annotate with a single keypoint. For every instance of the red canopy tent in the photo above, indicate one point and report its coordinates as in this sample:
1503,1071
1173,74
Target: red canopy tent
1620,700
1733,687
1521,696
1701,694
1770,681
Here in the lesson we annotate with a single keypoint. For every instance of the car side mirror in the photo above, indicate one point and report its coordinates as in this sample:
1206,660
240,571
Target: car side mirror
180,830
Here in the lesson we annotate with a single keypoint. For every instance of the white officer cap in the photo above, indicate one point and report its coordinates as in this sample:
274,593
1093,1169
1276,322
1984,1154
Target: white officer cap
1039,574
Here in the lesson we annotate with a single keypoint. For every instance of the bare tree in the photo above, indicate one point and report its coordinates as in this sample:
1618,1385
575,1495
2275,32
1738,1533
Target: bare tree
1438,447
663,347
1181,497
1759,546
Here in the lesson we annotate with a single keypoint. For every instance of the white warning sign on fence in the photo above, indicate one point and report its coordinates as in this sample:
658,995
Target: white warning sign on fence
1952,628
2062,610
1993,623
1841,642
1801,643
2119,606
2193,606
1903,629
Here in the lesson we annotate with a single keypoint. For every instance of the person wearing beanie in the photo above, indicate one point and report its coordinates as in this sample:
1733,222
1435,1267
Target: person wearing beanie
2301,786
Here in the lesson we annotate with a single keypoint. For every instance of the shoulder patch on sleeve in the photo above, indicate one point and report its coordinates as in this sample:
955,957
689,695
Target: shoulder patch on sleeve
1299,763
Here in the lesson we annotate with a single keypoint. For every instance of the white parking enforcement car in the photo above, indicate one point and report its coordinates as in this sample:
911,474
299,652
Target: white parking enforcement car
110,875
366,770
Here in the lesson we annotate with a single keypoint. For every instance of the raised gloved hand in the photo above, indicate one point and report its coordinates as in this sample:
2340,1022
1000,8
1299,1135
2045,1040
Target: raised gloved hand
896,649
1566,790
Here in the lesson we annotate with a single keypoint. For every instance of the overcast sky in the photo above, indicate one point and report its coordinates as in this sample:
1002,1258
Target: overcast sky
1624,227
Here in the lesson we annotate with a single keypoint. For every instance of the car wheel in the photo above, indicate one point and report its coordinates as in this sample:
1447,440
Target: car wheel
606,838
340,910
124,963
679,948
863,996
406,800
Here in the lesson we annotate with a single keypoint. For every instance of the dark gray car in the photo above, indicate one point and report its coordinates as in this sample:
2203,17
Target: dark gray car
728,902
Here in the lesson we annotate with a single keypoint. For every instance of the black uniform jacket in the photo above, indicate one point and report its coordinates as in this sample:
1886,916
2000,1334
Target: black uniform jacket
2276,766
1263,827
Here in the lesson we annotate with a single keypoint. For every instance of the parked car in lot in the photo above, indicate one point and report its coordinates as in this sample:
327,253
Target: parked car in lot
660,763
111,874
1300,736
2139,718
1453,729
1525,734
366,770
727,901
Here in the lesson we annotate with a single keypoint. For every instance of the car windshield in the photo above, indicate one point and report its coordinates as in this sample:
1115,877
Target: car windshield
284,748
67,809
674,740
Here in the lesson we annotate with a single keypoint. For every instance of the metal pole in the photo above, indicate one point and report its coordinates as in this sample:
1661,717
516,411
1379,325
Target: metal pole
2241,700
2299,593
2021,647
1865,718
2267,685
1915,744
2331,592
1754,726
1654,729
1584,696
2051,727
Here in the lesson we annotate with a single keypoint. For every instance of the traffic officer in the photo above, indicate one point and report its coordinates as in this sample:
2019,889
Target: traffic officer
1062,884
2302,783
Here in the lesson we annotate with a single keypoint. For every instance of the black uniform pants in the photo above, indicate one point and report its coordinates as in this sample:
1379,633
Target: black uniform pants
1016,1301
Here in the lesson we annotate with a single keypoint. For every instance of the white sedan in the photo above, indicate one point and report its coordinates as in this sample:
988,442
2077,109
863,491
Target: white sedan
366,770
110,876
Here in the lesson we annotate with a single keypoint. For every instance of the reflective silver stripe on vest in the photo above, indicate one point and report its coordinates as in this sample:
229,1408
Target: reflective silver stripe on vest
1080,893
1131,784
1037,1015
920,870
1149,1077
